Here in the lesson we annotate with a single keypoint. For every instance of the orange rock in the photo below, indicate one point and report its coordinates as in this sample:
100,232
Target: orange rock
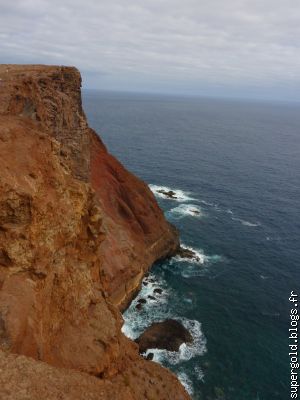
77,233
136,231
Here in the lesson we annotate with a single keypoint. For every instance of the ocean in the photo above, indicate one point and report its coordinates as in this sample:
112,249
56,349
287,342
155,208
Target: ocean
236,163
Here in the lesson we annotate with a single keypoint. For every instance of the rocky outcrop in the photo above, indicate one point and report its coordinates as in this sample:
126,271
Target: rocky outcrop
183,252
170,194
167,335
77,233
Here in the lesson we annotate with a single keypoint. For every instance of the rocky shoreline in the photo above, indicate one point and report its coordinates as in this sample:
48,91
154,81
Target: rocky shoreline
168,334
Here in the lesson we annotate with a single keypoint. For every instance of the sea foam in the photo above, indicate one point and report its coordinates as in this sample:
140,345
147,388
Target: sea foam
246,223
184,210
136,321
179,195
186,382
197,266
199,257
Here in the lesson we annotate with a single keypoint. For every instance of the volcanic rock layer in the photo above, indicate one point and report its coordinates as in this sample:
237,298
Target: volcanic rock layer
77,234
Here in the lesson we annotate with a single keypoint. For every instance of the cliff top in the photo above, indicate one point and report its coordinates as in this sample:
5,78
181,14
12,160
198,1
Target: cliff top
50,96
10,71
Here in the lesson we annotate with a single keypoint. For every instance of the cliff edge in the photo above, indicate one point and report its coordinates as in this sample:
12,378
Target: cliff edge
77,234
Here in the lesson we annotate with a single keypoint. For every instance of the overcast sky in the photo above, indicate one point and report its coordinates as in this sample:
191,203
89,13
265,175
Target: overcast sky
247,48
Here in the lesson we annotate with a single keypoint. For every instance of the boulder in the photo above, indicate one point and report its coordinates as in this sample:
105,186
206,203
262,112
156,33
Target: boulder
167,335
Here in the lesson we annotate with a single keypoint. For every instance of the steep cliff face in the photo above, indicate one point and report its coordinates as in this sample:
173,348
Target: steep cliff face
137,233
77,233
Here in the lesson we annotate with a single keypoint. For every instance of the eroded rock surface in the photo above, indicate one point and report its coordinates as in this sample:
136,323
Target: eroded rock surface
77,234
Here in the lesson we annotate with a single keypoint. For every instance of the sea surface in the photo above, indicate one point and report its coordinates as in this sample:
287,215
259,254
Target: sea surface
238,165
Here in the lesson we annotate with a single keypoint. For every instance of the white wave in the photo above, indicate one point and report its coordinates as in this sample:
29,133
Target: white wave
185,210
179,195
196,266
136,321
186,350
246,223
199,373
199,257
207,203
263,277
186,382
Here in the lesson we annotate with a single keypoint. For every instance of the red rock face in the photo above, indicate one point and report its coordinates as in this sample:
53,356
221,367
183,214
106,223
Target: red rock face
136,230
137,233
51,97
77,233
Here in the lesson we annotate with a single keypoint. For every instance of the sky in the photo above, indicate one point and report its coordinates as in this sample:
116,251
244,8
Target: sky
219,48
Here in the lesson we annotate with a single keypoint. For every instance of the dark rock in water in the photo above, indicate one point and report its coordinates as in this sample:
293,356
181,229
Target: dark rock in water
195,211
151,297
150,356
187,253
145,283
157,290
168,335
142,301
151,280
170,194
139,306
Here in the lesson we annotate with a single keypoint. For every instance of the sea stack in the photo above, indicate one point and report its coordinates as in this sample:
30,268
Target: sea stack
77,234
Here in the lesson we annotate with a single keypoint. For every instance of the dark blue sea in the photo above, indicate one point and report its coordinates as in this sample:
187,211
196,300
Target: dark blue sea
235,169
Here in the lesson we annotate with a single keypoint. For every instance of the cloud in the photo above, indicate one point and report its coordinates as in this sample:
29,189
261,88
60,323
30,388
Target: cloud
232,46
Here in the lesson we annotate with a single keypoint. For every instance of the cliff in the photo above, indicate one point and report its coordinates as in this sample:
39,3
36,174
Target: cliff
77,234
136,231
